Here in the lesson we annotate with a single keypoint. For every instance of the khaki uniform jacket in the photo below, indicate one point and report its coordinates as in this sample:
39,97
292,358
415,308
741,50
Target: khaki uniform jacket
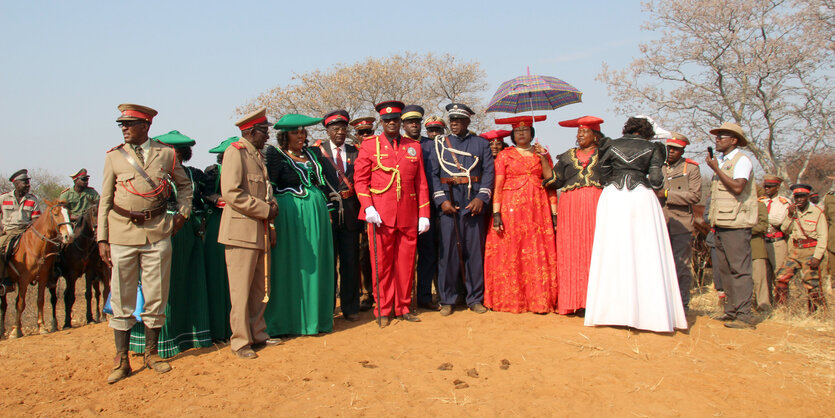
17,215
683,182
829,212
122,185
778,207
245,187
814,226
758,232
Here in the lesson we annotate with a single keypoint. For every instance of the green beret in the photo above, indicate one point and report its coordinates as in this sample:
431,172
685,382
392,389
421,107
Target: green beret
175,139
223,145
292,121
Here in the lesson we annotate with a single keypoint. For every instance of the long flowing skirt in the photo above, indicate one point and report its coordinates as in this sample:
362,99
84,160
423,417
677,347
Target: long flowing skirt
632,279
520,273
217,282
301,273
187,312
577,210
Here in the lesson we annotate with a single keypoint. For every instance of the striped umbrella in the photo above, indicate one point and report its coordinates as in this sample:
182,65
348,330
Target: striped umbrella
533,92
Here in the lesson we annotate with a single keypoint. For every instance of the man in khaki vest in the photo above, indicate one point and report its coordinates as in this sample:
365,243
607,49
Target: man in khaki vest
134,231
733,212
808,234
245,230
682,190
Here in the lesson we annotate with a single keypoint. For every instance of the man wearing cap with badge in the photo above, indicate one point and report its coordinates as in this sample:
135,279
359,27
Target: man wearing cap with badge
134,231
80,197
775,241
427,249
808,235
394,197
345,224
363,128
462,186
250,205
682,189
19,209
733,212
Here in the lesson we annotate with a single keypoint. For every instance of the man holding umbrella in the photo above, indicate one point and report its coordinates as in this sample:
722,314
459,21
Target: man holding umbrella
462,184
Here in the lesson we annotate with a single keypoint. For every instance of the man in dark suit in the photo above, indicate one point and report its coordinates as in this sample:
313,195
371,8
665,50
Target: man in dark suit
346,224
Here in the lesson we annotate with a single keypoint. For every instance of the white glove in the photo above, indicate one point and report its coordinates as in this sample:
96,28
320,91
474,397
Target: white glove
423,225
372,217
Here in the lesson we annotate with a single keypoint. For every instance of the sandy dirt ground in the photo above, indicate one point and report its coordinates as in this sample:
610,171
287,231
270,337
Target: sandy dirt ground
499,365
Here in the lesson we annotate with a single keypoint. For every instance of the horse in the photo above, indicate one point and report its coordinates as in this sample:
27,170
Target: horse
31,261
82,257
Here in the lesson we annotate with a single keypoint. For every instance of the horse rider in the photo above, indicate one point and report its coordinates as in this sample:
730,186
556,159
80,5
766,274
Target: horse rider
19,209
80,197
134,231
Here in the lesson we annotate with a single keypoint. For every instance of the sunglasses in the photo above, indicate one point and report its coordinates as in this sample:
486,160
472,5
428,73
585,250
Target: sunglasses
84,178
129,123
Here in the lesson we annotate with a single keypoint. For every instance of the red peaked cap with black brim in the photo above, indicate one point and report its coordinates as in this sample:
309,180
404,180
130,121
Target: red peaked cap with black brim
518,121
591,122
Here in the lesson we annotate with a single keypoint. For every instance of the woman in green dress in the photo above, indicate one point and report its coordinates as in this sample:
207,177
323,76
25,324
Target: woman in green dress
301,272
187,312
217,282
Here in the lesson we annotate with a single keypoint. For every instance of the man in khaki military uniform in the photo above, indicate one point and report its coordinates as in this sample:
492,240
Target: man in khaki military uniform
80,197
250,206
759,260
808,235
682,189
134,231
775,241
829,212
19,209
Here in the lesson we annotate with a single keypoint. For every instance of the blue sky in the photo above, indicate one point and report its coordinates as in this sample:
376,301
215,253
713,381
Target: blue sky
65,66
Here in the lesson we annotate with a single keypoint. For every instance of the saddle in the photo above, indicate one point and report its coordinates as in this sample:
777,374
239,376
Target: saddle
9,245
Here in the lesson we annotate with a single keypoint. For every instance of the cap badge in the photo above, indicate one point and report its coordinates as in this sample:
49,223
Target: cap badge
388,110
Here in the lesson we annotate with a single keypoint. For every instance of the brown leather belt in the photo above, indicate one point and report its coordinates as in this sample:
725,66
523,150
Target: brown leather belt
459,180
139,217
805,243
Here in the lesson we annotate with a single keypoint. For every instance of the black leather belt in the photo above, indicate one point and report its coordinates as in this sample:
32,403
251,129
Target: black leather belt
139,217
459,180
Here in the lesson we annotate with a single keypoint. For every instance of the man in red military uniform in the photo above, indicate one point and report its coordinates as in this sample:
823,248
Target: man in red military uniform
394,198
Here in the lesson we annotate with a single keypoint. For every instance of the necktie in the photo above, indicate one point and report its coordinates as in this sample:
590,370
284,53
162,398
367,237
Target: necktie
139,155
339,164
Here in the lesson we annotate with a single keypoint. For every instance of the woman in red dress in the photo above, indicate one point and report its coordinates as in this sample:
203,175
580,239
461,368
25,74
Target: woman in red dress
520,271
577,176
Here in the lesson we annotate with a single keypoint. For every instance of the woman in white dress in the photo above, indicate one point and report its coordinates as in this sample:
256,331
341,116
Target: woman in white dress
632,279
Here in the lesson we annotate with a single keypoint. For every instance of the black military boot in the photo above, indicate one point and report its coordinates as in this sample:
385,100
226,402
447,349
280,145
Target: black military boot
152,359
122,369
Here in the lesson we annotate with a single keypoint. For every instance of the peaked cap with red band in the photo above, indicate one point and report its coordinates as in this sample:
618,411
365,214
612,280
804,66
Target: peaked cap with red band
132,111
251,119
771,179
590,122
801,188
80,173
495,135
521,121
677,140
366,122
434,122
335,116
390,109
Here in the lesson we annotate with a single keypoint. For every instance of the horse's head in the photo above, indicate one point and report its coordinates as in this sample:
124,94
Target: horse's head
60,218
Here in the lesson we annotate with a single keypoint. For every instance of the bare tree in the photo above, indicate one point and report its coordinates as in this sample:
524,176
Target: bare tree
762,64
428,80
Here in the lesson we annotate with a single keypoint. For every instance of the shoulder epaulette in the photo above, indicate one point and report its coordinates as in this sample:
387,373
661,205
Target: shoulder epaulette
762,198
161,143
238,145
62,191
116,147
782,199
691,161
317,143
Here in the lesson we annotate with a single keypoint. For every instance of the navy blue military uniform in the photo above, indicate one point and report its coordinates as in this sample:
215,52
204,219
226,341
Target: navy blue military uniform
446,174
427,243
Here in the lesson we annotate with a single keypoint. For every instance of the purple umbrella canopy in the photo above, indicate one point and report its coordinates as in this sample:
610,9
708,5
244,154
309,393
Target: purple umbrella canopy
533,92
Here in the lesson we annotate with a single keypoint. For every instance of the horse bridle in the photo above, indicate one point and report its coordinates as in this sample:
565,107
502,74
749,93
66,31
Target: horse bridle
57,226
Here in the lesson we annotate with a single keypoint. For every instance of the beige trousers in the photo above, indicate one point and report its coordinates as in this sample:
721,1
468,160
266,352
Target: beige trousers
762,289
153,261
777,252
245,268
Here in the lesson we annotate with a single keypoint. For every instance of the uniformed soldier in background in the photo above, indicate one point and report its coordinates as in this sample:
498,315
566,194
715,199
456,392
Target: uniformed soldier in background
19,209
80,197
250,206
808,234
364,128
829,211
775,240
682,190
134,231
